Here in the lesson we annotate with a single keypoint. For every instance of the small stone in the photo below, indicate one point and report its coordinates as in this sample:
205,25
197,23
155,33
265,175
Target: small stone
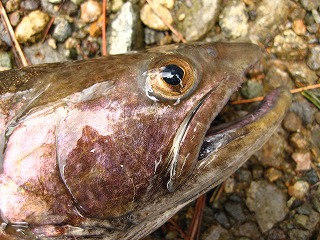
248,229
12,5
222,218
95,29
276,77
310,4
313,60
270,14
116,5
71,43
77,2
195,18
273,174
268,202
229,185
299,189
216,232
90,11
125,31
5,61
14,18
251,89
292,122
317,117
235,210
166,3
151,19
30,5
304,110
301,74
52,43
55,1
297,234
31,26
301,220
62,30
42,53
69,8
276,234
234,20
299,141
303,160
298,27
289,46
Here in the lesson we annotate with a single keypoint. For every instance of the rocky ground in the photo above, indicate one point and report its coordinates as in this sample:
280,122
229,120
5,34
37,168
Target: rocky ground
276,194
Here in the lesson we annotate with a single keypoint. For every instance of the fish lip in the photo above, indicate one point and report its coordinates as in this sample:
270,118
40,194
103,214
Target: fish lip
219,136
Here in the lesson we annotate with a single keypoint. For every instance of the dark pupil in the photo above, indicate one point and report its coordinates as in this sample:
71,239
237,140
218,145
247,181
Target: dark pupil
172,74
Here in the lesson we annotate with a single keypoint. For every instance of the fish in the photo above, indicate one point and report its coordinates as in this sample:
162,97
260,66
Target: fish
112,147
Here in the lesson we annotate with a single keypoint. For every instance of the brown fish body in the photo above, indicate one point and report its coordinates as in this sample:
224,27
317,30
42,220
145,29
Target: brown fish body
109,147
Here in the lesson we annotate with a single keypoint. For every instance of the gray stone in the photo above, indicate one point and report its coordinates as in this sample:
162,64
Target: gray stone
234,20
304,110
5,60
301,74
297,234
124,32
251,89
270,14
42,53
268,202
216,232
235,210
62,30
313,60
289,46
195,18
310,4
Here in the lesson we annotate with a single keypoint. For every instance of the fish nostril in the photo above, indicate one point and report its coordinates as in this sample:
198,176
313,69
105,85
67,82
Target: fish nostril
211,51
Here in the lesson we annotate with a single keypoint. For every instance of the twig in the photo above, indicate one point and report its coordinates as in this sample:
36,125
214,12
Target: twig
257,99
179,35
104,35
194,229
177,228
51,22
14,41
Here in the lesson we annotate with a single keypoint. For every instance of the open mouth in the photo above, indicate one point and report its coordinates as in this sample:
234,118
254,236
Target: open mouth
219,136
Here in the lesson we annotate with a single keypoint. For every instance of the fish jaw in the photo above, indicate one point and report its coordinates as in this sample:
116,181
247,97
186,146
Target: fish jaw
227,148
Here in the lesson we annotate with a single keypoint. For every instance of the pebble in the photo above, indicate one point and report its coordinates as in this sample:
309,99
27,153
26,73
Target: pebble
299,141
301,74
298,27
276,77
43,53
216,232
151,19
299,189
125,31
234,20
90,11
310,4
313,60
247,229
5,61
251,89
30,5
303,160
235,210
95,29
268,202
77,2
292,122
273,174
289,46
270,14
55,1
317,117
31,26
297,234
62,30
195,18
304,110
222,218
276,234
12,5
15,18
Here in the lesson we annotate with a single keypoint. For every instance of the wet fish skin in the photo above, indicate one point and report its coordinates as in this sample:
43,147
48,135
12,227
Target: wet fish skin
102,148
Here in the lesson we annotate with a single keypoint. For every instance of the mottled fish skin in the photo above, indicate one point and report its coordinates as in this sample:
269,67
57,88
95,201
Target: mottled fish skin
106,148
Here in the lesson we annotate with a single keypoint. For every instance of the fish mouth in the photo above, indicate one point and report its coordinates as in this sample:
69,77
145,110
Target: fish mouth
218,137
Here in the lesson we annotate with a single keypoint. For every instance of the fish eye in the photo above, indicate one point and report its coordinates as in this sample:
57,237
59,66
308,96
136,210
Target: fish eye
172,74
170,78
